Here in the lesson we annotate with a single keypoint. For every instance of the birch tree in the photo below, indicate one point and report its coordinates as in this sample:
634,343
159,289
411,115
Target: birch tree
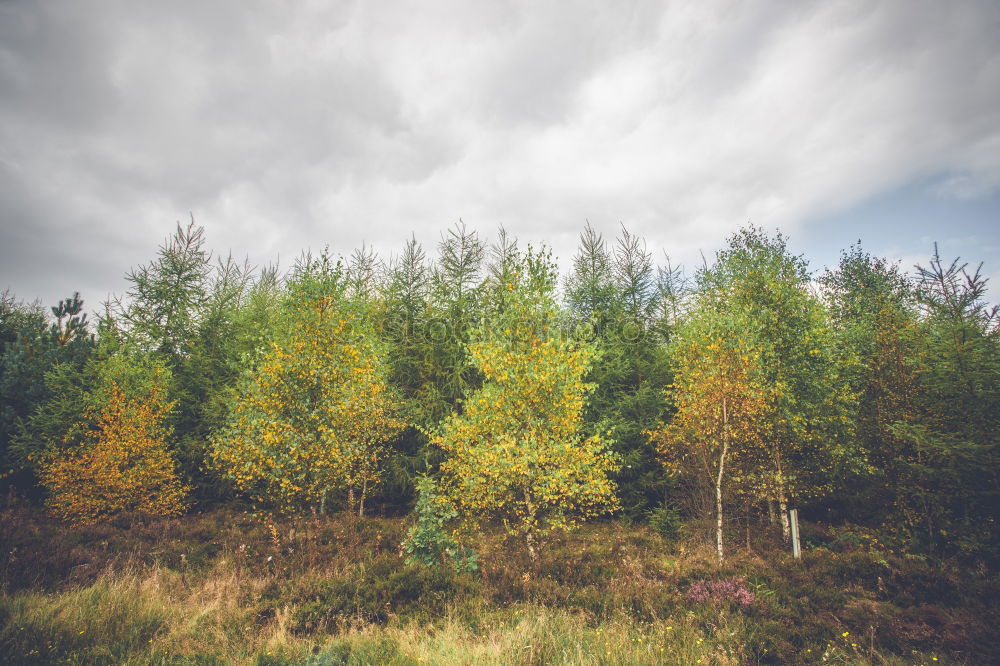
721,401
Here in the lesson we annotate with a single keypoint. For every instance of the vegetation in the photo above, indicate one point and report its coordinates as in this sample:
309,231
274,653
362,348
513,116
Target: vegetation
230,588
593,468
721,403
515,452
123,464
314,415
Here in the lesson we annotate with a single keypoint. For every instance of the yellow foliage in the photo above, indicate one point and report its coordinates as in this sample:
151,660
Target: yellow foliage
516,451
722,407
313,417
123,464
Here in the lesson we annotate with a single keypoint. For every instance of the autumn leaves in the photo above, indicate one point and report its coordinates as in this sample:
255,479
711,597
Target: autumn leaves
517,451
760,385
122,464
315,416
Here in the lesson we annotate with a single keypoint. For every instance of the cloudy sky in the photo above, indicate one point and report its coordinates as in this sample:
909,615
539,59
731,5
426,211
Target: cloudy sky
289,125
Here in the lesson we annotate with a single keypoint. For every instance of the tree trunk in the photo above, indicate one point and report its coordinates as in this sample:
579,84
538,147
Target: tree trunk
350,496
532,549
361,502
529,536
786,527
718,480
747,516
930,525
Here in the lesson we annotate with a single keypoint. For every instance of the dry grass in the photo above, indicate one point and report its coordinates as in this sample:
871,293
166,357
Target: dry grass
229,588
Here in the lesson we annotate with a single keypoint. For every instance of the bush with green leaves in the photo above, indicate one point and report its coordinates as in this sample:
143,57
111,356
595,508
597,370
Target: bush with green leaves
665,521
428,542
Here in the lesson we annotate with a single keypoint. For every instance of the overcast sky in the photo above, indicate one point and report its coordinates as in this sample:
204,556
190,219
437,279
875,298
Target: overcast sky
283,126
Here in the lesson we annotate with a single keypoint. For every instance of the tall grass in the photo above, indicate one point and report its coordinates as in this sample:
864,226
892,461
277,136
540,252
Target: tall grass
160,616
129,614
213,589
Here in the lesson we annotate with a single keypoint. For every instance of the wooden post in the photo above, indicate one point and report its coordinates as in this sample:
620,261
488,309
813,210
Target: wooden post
796,549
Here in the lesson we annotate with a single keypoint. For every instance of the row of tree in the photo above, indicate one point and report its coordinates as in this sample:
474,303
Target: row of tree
861,394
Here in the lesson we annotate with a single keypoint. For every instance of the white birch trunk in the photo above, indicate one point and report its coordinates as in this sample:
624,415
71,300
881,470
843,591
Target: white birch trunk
718,480
786,528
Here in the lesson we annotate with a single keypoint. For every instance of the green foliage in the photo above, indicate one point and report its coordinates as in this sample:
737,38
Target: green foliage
614,300
874,310
807,439
665,521
30,348
428,542
883,408
516,452
955,493
77,396
314,416
927,413
203,319
453,308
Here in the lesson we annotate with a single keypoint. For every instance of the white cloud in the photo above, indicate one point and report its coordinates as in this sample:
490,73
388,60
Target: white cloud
291,126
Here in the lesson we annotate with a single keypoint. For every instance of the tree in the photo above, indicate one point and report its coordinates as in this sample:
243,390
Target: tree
516,451
635,279
721,402
808,426
160,315
314,416
166,298
954,486
873,306
122,464
427,541
31,346
185,310
454,310
610,296
590,287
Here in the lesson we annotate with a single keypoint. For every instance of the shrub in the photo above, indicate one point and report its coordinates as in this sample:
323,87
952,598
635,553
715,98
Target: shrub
666,522
732,592
427,543
123,466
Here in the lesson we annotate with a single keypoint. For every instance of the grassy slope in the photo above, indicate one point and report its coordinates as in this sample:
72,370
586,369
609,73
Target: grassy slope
226,587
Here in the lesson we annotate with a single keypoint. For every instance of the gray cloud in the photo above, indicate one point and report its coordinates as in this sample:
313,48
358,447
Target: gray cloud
283,127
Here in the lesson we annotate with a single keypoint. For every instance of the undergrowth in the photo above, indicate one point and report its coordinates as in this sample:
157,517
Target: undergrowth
226,587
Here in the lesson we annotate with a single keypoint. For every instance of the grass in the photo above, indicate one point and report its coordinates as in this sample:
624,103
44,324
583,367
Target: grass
230,588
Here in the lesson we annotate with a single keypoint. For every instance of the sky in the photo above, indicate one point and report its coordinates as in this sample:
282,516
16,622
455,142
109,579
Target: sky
286,126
